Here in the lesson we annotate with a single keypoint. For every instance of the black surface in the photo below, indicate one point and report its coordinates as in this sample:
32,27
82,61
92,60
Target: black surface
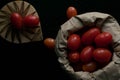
34,60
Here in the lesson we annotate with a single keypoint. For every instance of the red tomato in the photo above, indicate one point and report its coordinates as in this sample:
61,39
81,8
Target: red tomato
31,21
71,11
103,39
16,20
49,43
89,67
89,36
73,42
73,56
102,55
86,54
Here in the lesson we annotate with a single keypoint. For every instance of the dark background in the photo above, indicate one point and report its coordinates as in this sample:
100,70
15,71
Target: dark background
34,60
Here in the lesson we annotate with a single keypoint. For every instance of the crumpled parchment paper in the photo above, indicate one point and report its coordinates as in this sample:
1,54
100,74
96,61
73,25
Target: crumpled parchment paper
107,23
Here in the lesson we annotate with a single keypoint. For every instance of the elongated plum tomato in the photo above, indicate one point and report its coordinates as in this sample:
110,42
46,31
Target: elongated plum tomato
102,55
103,39
73,42
71,11
86,54
31,21
89,67
16,20
89,36
73,56
49,43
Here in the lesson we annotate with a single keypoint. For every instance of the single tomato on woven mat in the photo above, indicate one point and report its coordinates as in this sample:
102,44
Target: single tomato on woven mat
16,20
31,21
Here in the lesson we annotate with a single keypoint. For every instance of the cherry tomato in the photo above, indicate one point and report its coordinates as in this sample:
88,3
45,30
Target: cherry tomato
31,21
73,42
86,54
16,20
103,39
102,55
73,56
89,67
89,36
71,11
49,43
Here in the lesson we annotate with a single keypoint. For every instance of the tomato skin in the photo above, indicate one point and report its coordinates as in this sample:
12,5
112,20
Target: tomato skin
103,39
71,12
73,42
49,43
86,54
89,36
16,20
89,67
74,57
102,55
31,21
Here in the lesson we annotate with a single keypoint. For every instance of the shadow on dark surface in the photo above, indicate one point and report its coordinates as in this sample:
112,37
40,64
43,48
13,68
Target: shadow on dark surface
33,60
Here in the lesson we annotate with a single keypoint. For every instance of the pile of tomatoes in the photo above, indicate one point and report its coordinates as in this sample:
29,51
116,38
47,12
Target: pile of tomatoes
89,49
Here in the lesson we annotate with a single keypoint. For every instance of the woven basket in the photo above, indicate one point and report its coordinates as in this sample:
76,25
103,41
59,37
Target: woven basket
15,36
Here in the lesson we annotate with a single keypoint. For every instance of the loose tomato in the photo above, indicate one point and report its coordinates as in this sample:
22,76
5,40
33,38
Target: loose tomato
89,67
31,21
16,20
103,39
49,43
73,57
73,42
102,55
89,36
71,11
86,54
